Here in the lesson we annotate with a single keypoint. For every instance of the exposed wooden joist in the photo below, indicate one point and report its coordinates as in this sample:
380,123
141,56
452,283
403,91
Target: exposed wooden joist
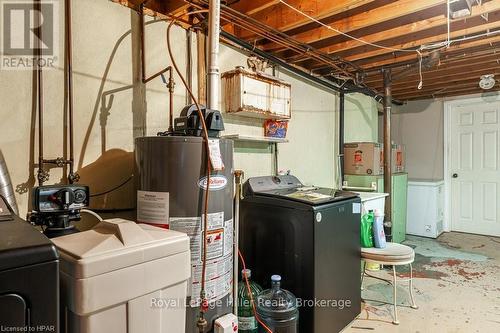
475,30
457,81
156,7
388,12
447,92
493,25
254,6
454,93
284,18
444,75
411,28
413,57
471,62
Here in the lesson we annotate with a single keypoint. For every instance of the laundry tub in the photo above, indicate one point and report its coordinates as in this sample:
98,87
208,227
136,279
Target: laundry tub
122,277
372,201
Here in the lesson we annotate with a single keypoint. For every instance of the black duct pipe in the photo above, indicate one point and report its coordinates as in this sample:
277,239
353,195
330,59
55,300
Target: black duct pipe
388,152
341,137
347,87
324,83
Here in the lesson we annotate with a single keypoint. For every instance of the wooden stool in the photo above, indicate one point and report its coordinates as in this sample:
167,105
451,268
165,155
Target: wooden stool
392,255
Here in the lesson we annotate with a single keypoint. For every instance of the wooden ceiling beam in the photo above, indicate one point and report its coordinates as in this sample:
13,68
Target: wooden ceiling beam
283,18
451,92
441,74
489,59
455,93
440,78
413,57
493,25
255,6
456,81
411,28
381,14
157,7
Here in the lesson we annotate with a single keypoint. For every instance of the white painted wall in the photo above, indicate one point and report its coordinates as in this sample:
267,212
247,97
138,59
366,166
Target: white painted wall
313,138
361,118
419,125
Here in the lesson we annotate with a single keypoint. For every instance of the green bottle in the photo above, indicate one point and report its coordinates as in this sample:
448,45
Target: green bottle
246,318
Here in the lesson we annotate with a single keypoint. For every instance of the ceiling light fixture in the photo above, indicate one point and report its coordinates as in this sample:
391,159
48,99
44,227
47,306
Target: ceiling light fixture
487,81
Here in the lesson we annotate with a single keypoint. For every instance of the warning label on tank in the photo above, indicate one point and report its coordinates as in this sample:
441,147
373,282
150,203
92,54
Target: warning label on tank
215,220
152,207
219,254
215,244
219,277
228,237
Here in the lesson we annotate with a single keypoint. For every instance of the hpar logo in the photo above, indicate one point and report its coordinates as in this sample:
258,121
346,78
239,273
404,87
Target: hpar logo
216,183
28,27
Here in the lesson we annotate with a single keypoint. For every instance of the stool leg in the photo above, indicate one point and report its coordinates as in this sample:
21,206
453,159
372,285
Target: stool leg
394,284
363,274
413,304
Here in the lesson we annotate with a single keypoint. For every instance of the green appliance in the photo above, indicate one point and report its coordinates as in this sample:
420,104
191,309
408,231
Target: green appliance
399,197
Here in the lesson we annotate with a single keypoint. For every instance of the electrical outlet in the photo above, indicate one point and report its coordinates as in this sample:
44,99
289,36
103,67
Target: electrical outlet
226,324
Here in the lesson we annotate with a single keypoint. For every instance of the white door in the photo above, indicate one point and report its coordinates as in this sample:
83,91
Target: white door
474,168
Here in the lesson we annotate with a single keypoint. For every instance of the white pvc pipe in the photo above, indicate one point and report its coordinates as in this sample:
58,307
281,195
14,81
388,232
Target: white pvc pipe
213,54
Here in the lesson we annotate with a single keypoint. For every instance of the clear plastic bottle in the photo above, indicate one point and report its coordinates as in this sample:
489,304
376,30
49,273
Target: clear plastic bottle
277,308
378,229
246,318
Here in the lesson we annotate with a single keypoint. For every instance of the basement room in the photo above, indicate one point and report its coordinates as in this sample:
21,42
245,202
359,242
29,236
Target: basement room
252,166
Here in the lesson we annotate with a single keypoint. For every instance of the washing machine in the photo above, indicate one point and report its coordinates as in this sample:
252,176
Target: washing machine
311,237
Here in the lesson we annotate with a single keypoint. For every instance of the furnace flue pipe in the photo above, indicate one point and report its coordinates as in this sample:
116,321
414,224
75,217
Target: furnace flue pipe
72,177
388,150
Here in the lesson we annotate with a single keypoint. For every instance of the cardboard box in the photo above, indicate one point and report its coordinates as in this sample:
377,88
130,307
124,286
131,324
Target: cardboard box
363,158
398,158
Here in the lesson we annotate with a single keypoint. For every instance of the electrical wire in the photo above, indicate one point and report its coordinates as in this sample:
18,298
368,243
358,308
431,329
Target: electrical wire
204,303
88,211
117,187
418,51
249,291
341,32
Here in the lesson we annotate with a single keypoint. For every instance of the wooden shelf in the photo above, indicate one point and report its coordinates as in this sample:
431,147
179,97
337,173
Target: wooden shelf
250,138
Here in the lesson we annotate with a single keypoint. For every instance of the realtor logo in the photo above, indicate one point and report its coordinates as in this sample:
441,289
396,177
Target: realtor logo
29,27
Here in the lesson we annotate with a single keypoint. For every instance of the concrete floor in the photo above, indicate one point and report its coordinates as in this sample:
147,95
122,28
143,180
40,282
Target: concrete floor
457,289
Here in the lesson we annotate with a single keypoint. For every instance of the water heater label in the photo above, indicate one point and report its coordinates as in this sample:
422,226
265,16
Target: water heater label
215,154
217,182
219,253
152,207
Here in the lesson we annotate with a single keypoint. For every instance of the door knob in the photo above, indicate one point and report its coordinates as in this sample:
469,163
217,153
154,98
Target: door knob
455,175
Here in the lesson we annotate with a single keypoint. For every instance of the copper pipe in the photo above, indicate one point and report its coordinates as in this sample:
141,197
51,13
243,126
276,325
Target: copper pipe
170,83
201,323
69,76
41,177
388,150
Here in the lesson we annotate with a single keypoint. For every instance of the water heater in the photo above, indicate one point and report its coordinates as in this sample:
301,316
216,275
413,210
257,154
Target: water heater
172,180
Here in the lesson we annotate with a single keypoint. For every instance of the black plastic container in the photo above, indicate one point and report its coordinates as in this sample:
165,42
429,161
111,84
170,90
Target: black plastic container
29,277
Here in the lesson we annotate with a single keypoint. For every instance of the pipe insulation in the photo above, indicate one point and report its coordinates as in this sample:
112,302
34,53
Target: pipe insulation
213,54
6,189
